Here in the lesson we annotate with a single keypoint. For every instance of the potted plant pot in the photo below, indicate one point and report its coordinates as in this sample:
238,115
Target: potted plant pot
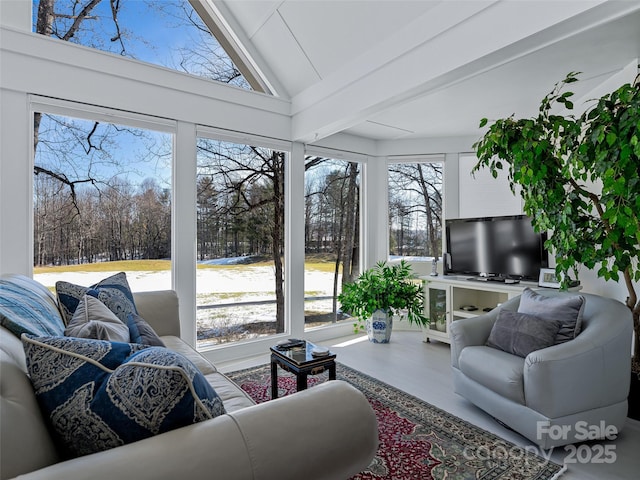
379,326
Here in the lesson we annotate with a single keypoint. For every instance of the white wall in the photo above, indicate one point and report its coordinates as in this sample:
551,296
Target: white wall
482,195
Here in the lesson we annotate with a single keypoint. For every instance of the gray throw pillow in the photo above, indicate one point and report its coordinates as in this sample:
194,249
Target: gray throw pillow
92,319
520,333
568,309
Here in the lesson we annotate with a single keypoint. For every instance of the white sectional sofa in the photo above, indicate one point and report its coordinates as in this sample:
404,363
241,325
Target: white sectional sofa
326,432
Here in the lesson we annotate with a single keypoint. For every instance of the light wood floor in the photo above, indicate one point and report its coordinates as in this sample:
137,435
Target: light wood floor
423,369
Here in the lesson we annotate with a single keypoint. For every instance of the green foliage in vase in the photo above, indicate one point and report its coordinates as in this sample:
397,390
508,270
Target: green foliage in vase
392,288
579,178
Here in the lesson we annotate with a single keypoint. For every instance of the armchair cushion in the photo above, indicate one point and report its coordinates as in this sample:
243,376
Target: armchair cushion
99,395
567,309
521,334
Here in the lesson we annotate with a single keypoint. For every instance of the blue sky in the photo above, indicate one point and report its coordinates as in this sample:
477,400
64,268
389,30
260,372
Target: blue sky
152,34
128,154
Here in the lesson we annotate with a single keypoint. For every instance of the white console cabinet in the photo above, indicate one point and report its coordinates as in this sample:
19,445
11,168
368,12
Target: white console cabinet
449,298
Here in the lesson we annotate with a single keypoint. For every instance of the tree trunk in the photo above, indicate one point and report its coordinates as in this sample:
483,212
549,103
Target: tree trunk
277,236
350,240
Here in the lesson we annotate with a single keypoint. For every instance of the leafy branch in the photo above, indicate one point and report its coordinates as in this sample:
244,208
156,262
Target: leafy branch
580,180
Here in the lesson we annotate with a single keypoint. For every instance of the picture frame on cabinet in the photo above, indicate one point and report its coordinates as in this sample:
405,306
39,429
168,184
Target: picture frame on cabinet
548,278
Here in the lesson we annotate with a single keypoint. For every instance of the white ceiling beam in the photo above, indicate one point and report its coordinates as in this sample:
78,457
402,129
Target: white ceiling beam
369,86
216,14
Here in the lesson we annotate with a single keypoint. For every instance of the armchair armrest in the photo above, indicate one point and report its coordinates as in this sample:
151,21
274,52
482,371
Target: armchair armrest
475,331
559,380
327,432
468,332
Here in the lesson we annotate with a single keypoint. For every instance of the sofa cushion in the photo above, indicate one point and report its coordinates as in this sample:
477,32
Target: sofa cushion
99,395
494,369
141,332
520,333
567,309
176,344
113,291
92,319
28,307
233,397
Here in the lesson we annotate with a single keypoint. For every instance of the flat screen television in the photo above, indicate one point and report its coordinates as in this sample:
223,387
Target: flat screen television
495,247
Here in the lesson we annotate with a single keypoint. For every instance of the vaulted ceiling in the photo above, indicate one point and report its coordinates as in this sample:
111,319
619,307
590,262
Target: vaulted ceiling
397,69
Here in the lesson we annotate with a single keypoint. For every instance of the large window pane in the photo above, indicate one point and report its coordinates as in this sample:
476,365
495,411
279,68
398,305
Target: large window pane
168,33
415,210
240,275
332,226
102,202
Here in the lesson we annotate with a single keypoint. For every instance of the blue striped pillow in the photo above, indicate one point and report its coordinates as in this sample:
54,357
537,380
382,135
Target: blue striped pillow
28,307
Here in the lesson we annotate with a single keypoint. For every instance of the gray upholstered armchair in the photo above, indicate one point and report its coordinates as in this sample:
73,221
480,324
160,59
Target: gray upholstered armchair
556,395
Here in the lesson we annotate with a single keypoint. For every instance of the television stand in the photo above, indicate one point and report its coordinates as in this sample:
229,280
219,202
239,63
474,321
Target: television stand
446,295
505,280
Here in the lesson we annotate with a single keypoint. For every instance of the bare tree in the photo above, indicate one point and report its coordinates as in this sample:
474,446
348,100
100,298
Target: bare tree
64,19
251,182
332,213
417,189
203,56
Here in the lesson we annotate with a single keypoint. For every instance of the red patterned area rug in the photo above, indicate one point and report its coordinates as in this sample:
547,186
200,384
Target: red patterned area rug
417,440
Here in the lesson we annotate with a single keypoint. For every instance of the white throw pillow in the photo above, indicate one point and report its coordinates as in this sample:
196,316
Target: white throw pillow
92,319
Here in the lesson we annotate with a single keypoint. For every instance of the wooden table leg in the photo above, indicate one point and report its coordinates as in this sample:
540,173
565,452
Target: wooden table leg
332,371
301,381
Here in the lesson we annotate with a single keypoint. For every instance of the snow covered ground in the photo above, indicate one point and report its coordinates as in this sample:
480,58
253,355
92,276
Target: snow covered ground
215,286
256,282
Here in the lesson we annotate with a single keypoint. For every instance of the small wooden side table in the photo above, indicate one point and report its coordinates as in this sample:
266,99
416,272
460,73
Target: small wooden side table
302,363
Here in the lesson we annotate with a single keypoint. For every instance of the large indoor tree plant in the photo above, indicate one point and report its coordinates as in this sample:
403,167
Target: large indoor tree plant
380,293
579,177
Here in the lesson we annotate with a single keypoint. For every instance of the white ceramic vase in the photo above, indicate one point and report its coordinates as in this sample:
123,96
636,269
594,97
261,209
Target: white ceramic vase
379,326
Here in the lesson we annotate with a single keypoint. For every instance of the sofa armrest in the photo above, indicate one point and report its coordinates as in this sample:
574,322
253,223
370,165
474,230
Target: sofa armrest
326,432
160,310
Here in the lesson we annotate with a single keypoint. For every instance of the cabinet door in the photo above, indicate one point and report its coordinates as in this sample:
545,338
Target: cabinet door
437,308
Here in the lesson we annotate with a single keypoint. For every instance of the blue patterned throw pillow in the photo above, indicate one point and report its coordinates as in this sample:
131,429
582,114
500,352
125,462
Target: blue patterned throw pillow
28,307
113,291
141,332
99,395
